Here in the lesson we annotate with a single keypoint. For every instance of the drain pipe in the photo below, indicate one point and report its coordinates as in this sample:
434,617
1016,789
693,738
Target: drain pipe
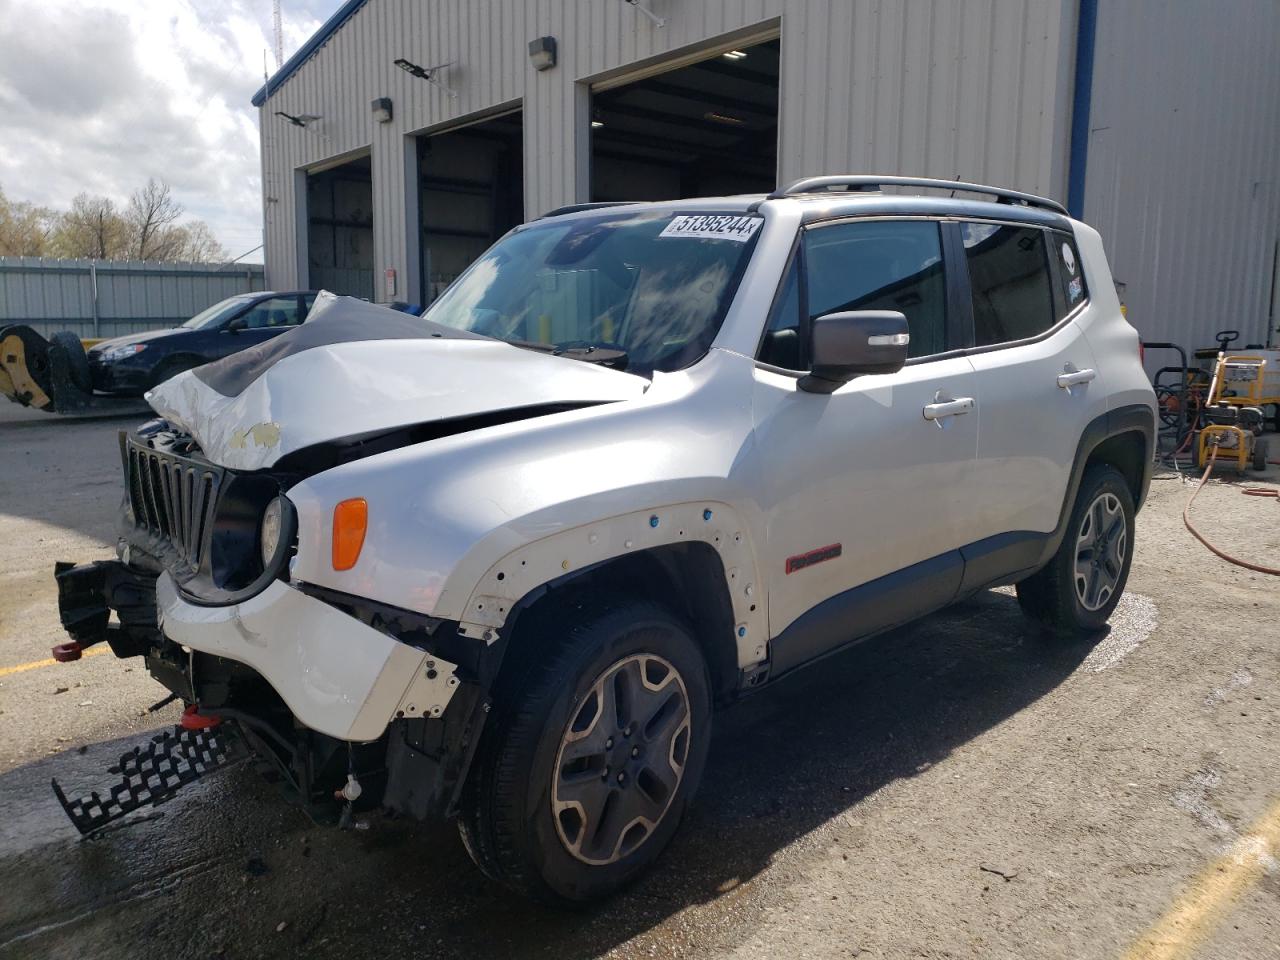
1082,97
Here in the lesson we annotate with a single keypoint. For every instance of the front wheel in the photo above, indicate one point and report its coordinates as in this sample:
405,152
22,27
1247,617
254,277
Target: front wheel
598,742
1080,587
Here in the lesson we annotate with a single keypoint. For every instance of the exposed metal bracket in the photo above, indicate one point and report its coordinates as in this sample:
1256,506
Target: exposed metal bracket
656,20
433,686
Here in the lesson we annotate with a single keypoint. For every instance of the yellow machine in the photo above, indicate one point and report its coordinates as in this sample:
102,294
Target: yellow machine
1233,414
53,374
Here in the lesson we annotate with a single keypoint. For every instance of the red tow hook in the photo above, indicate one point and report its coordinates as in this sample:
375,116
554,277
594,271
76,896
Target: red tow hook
193,719
67,652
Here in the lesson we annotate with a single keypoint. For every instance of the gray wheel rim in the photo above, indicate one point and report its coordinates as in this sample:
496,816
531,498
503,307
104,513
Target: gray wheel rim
621,758
1101,545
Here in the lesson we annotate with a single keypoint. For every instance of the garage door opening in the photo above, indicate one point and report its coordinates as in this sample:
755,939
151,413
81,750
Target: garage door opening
472,192
703,130
340,229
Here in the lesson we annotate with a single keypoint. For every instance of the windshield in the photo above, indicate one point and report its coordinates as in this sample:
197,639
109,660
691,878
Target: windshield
219,312
647,291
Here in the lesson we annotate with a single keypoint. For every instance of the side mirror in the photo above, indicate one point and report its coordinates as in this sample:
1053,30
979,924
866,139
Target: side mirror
855,342
236,325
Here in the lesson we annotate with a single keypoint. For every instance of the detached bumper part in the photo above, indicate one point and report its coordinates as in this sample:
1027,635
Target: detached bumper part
336,675
153,774
86,596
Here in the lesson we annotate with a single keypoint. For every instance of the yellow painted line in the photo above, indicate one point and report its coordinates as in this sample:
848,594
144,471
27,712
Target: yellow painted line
1196,913
34,664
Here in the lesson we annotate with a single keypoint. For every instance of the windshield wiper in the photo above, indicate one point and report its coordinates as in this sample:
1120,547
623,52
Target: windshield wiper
605,354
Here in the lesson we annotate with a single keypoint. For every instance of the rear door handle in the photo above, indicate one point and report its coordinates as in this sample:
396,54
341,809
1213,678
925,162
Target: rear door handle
1073,378
942,409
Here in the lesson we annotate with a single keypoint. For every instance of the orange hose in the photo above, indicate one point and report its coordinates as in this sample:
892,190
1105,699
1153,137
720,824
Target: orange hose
1249,491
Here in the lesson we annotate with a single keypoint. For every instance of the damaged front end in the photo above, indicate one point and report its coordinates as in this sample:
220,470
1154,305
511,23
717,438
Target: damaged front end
346,703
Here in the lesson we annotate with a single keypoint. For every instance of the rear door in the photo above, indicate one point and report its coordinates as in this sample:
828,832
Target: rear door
1034,374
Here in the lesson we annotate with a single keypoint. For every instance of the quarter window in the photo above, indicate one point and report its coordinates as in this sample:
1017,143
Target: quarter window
1009,275
880,265
1070,271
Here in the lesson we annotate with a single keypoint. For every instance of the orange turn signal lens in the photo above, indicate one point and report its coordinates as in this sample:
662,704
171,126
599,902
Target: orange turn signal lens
350,520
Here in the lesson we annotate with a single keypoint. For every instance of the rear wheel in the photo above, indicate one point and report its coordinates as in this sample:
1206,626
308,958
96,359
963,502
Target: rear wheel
1259,454
596,752
1080,587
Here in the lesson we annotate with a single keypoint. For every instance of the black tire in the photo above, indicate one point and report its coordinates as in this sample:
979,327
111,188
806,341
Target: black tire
508,824
1259,454
1054,596
77,362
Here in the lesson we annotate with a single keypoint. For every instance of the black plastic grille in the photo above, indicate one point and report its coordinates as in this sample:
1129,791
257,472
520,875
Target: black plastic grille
172,498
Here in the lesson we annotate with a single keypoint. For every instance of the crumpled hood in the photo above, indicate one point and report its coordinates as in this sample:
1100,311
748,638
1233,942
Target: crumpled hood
355,368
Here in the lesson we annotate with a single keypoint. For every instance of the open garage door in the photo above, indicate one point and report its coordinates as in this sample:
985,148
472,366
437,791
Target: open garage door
340,229
472,192
707,129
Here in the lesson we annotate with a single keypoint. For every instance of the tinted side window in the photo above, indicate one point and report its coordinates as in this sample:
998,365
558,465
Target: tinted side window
1070,271
782,345
881,265
276,312
1009,274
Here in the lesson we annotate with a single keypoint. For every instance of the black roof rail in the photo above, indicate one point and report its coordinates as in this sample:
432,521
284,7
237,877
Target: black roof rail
575,207
869,183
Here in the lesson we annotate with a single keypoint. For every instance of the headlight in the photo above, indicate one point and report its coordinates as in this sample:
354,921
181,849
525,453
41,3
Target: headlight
269,535
112,354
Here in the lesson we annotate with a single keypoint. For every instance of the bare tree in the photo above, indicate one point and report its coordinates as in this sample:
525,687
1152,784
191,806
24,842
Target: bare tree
95,228
151,215
197,243
92,228
24,228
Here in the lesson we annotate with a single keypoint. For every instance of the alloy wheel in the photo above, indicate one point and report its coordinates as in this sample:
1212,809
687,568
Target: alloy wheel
1101,546
621,759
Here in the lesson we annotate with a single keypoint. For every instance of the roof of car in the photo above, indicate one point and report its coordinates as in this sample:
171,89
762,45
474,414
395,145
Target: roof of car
828,204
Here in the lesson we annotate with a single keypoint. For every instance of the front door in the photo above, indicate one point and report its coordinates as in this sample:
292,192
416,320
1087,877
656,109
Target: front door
871,480
262,321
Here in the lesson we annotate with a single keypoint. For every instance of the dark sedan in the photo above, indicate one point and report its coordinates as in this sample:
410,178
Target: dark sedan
133,364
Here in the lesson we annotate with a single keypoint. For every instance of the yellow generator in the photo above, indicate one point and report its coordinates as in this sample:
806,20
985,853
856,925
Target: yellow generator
1233,414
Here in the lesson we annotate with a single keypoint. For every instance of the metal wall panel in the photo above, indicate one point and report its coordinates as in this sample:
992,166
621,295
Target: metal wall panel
53,295
931,87
1184,164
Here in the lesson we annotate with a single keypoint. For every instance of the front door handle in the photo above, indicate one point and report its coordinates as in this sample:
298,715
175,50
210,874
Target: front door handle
941,409
1073,378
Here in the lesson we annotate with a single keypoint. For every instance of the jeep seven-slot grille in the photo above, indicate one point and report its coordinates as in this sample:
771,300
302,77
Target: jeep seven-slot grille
172,498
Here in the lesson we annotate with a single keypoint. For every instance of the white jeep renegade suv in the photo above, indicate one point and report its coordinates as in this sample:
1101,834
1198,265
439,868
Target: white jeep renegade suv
501,562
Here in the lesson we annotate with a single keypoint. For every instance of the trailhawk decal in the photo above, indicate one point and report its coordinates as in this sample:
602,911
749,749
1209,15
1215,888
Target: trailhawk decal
708,227
802,560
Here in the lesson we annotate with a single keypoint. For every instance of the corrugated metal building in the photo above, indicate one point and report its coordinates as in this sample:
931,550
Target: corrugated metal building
384,172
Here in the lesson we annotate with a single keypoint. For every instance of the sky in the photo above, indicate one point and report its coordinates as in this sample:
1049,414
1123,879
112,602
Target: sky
99,95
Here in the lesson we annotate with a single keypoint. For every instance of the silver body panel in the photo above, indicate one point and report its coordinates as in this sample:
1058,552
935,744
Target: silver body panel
727,452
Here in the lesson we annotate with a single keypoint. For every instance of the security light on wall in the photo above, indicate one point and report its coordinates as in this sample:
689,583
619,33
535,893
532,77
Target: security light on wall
381,109
656,20
426,73
542,53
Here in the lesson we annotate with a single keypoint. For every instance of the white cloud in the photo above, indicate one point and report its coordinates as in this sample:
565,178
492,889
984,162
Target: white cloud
99,95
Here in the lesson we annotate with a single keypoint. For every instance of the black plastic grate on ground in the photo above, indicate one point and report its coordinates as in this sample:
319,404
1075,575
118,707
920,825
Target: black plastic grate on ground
153,773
